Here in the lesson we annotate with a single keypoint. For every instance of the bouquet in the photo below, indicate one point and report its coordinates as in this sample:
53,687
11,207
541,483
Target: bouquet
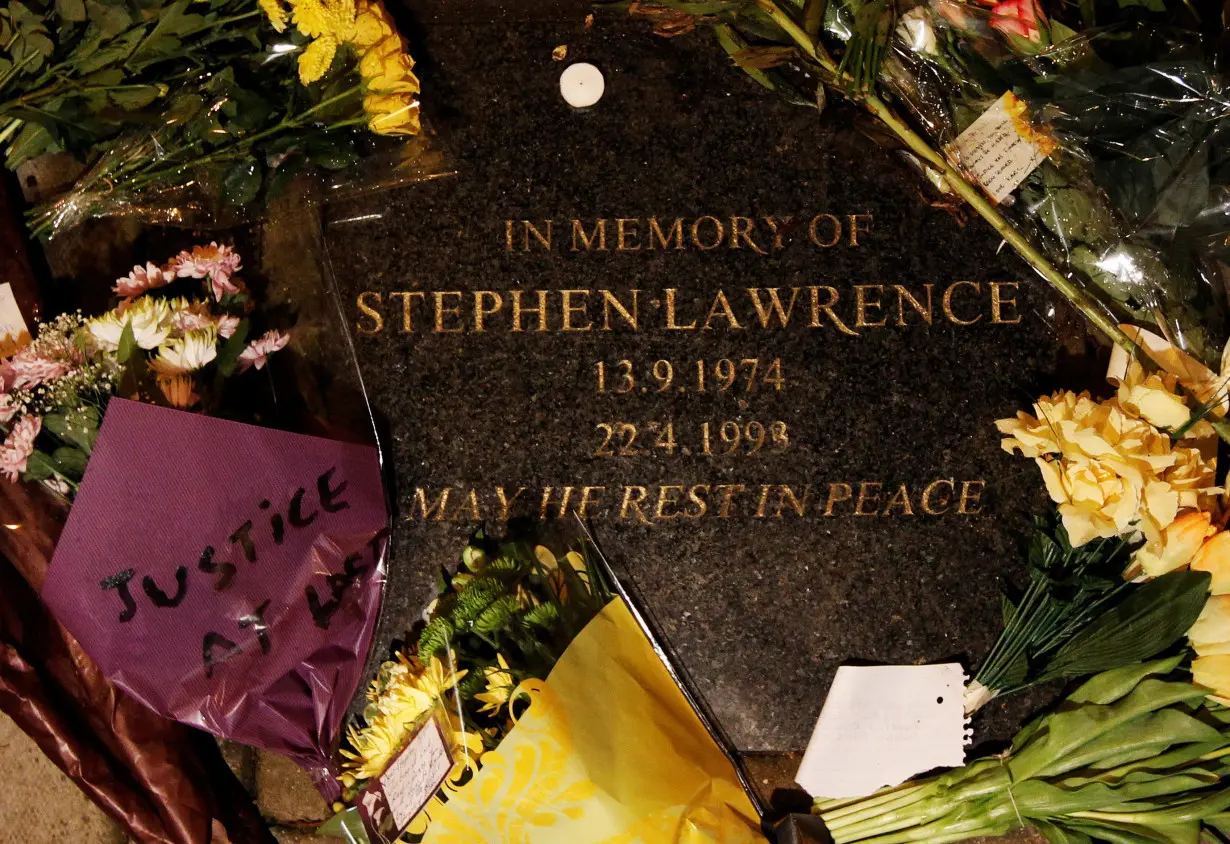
157,347
225,574
1134,754
1122,569
1111,134
195,106
528,664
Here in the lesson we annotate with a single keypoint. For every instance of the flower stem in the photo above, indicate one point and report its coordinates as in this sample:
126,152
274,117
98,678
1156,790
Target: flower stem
956,181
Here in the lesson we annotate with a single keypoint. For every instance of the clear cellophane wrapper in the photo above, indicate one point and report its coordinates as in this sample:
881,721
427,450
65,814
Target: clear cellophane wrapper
1132,201
249,529
218,146
567,722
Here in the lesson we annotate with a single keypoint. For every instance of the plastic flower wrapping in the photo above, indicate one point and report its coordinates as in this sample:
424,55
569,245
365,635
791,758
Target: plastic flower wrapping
195,111
525,666
205,458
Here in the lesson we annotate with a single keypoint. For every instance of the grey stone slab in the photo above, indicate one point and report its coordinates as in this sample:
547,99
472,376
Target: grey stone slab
761,608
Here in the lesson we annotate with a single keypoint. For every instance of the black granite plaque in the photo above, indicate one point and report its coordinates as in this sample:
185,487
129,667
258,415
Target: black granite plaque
734,333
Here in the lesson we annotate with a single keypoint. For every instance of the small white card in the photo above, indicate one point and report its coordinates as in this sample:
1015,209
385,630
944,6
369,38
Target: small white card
392,800
1000,148
14,333
883,724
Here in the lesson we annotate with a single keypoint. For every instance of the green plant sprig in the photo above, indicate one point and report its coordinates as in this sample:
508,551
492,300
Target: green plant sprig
1134,754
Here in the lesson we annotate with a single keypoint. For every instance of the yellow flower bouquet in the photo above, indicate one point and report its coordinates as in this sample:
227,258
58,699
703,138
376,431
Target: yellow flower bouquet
525,669
1125,567
318,86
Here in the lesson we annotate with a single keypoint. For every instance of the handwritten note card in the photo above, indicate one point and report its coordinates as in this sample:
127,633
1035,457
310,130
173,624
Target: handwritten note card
883,724
1000,148
390,802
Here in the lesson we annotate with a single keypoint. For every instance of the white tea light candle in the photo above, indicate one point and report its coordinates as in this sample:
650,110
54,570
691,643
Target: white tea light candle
581,84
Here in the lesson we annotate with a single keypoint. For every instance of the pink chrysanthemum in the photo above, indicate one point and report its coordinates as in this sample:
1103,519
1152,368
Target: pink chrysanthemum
227,326
259,350
142,279
217,263
27,370
19,446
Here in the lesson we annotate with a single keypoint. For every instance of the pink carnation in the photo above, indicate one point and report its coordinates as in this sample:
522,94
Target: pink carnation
217,263
259,350
19,446
7,409
142,279
26,370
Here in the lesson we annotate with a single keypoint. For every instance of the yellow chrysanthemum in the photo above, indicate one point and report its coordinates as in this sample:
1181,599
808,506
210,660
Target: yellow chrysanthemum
276,14
500,685
1111,471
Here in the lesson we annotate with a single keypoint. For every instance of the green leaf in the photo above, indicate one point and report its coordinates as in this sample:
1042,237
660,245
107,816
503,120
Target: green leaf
133,97
1150,619
332,152
32,141
346,825
39,467
1110,686
70,461
242,182
128,343
57,424
228,355
71,10
1066,731
1055,834
82,429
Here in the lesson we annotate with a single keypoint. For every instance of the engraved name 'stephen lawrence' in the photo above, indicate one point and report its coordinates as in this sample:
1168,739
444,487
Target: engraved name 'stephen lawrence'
849,310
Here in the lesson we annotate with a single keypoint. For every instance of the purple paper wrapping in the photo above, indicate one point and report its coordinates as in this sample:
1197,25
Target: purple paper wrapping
226,575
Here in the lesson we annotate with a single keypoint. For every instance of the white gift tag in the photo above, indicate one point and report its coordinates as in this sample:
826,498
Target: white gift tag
883,724
1000,149
391,801
14,333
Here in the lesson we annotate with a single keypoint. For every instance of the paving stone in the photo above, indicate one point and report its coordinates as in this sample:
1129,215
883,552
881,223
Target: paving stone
40,803
285,792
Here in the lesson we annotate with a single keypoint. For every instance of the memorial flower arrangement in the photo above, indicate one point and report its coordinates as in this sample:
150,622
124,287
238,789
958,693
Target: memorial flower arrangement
1133,754
1125,568
503,619
1111,124
529,664
188,102
160,348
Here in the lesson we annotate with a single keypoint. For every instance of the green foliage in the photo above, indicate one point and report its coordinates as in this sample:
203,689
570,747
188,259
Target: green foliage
497,614
1134,755
1149,619
435,638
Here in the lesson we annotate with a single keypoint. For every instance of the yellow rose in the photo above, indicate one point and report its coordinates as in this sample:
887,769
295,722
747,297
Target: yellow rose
1210,635
1152,398
1111,472
1214,557
1178,544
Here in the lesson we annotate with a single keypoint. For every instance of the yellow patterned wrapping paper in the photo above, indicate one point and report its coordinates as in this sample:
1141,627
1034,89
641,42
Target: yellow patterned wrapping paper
609,752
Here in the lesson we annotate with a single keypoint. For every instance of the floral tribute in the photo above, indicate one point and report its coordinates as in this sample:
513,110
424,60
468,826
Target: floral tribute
162,344
505,618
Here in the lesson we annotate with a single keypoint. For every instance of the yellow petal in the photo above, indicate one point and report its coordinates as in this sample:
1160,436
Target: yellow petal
1213,625
314,62
1214,557
1178,545
276,14
1212,672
